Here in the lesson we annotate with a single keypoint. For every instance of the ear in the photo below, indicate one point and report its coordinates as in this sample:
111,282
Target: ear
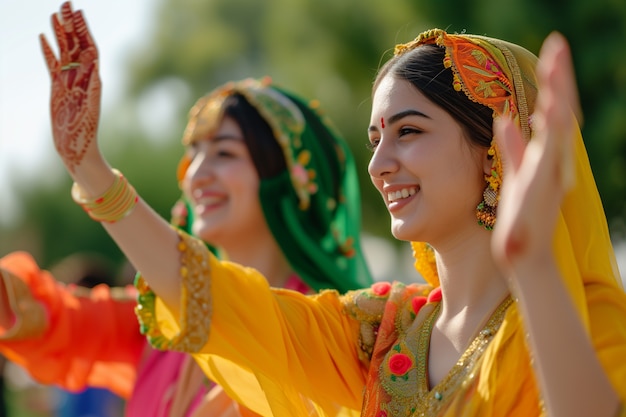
486,160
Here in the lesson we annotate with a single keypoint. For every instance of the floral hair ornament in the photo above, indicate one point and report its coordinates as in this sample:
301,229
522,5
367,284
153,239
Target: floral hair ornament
481,69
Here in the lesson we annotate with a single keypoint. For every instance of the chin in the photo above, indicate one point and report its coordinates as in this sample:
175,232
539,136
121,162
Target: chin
408,232
205,232
400,233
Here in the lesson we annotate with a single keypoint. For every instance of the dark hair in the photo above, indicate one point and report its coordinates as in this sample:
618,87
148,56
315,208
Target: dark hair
423,67
267,155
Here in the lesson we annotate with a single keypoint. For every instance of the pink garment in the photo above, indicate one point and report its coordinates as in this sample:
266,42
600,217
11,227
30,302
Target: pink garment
155,386
295,283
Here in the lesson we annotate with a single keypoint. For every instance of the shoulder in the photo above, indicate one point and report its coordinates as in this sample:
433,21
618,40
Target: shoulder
384,310
384,298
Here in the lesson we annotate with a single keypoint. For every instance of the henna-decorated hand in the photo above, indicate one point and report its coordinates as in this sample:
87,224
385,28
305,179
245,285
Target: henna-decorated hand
76,88
538,175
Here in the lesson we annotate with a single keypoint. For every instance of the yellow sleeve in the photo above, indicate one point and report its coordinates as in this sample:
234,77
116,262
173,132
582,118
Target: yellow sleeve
607,325
275,351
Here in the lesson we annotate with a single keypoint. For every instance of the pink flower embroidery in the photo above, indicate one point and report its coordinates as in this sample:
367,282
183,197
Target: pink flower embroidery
399,364
179,209
490,65
417,303
179,214
300,174
381,288
435,295
381,413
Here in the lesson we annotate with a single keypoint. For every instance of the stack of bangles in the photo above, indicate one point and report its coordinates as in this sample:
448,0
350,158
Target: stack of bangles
115,204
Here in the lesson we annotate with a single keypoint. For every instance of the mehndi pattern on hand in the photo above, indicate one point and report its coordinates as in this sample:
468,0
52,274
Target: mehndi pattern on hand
76,87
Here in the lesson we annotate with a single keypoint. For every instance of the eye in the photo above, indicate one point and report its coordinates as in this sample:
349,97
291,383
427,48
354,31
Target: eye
408,131
372,144
223,153
229,149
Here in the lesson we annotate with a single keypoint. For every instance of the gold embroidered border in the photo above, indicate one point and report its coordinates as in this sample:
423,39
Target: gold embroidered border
196,302
463,371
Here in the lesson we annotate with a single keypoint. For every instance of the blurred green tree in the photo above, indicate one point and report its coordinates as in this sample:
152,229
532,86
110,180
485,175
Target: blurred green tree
327,50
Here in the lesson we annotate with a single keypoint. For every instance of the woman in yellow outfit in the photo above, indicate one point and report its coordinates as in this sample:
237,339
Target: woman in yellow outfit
523,313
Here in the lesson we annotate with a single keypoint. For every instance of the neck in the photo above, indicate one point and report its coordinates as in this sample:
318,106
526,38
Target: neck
266,257
471,283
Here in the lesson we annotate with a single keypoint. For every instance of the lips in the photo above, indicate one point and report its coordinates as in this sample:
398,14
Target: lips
207,200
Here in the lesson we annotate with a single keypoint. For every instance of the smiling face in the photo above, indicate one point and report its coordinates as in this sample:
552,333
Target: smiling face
428,174
222,185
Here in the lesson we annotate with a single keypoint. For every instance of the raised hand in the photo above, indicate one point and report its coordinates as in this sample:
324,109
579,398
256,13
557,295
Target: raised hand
76,89
538,175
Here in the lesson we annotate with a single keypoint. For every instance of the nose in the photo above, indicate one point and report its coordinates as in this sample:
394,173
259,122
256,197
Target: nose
198,174
383,161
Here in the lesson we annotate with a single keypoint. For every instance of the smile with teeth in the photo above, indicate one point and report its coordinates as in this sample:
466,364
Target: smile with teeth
400,194
208,201
205,201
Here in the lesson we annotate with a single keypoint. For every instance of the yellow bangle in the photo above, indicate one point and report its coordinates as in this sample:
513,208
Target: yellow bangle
115,204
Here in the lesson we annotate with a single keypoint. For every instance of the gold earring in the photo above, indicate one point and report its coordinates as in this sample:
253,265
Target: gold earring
486,209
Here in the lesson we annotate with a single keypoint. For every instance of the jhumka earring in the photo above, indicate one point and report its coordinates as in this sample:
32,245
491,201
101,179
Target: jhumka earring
486,209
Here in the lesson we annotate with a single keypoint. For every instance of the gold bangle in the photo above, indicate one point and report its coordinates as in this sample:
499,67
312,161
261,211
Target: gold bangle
113,205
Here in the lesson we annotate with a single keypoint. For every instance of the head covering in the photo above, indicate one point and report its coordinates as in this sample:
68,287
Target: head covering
501,75
313,207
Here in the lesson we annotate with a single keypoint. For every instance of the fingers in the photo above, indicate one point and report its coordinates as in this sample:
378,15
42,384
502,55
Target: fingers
511,143
71,34
51,61
71,40
77,50
555,58
82,31
59,34
556,104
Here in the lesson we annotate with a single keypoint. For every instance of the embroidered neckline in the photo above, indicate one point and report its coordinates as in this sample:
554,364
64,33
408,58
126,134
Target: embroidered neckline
432,399
404,370
423,348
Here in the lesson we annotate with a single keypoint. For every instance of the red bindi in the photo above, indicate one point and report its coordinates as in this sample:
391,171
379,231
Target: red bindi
382,122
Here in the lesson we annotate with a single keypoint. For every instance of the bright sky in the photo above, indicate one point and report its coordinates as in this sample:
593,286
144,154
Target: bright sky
25,140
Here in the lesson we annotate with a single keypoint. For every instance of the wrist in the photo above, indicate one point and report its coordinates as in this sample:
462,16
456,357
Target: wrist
537,273
94,176
115,203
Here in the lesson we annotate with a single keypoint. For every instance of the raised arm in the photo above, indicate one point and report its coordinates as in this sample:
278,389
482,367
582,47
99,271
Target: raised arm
538,178
146,239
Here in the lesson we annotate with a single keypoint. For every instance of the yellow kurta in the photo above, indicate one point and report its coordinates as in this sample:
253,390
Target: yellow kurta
286,345
281,353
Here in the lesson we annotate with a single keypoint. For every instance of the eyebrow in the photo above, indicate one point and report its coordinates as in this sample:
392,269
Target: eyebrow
215,139
227,136
401,115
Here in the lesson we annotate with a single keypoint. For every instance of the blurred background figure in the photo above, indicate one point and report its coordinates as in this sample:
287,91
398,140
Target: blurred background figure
24,397
81,271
